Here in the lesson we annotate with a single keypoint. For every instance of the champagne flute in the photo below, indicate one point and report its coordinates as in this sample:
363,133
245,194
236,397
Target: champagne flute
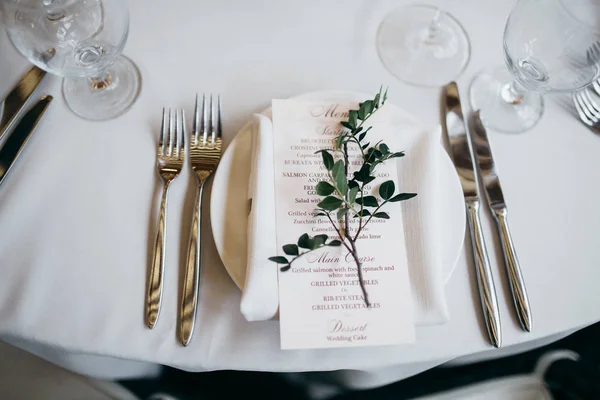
549,46
82,41
423,45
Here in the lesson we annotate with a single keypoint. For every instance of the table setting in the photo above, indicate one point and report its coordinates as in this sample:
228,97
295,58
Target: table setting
200,204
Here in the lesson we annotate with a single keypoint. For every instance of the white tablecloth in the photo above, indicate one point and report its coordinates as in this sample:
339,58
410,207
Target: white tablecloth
78,213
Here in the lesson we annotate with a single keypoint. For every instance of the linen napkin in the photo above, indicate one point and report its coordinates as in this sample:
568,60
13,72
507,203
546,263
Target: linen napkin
260,298
417,172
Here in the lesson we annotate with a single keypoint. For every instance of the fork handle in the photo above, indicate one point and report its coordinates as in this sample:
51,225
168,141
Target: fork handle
155,283
191,280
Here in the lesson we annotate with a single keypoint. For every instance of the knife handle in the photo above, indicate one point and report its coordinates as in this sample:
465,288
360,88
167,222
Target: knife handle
485,280
513,270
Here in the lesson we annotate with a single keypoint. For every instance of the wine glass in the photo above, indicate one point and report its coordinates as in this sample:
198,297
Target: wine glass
82,41
422,45
549,46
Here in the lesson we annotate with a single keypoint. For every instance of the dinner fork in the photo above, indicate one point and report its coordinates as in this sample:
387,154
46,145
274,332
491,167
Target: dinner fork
587,108
205,154
169,162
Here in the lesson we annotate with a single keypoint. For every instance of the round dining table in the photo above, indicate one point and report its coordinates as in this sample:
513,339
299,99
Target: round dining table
78,211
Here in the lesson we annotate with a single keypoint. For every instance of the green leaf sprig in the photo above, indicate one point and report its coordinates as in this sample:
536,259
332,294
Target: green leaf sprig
344,197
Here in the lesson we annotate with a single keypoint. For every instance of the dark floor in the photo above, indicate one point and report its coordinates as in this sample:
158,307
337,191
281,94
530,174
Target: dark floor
566,379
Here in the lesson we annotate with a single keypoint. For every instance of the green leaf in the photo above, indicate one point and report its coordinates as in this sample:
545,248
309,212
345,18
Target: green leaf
384,149
279,260
339,177
362,173
369,179
384,96
381,215
304,241
324,189
386,190
362,135
341,212
361,111
368,105
352,184
364,146
368,201
352,118
402,197
327,159
363,213
291,249
319,240
287,267
329,203
334,243
346,125
352,194
396,155
339,141
376,99
320,214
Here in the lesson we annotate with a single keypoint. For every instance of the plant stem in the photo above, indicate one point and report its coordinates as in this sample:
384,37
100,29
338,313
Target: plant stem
352,240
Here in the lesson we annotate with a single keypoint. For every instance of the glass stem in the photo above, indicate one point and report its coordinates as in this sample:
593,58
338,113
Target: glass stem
102,81
434,25
513,92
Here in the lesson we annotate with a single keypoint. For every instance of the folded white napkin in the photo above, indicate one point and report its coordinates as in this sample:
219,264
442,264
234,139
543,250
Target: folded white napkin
417,171
260,298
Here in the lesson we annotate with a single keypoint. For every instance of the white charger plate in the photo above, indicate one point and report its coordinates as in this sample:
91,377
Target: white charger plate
229,198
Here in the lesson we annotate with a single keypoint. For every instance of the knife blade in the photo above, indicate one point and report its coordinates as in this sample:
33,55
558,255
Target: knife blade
17,140
18,96
495,200
455,131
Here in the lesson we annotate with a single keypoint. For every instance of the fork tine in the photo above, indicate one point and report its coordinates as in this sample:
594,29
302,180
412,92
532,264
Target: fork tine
583,108
214,120
196,127
219,127
183,134
591,102
204,119
161,141
171,131
178,130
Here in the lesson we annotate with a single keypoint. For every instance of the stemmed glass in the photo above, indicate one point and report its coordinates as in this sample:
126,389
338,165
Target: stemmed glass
81,40
549,46
422,45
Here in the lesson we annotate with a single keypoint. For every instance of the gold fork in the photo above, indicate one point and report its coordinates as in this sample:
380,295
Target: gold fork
205,154
169,162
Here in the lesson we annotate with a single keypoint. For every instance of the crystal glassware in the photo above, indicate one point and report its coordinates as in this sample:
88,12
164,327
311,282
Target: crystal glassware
549,46
422,45
82,41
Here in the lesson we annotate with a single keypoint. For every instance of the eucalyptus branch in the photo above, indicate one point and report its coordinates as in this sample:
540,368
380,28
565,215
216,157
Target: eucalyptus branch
340,193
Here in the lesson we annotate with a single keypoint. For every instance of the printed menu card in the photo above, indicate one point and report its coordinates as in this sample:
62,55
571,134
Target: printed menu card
321,303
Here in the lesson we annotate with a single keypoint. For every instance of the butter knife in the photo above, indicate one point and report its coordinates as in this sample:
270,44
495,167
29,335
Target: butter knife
18,138
18,96
495,199
454,128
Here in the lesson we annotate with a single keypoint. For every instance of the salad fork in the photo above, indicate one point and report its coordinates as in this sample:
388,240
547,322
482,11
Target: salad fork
205,154
169,162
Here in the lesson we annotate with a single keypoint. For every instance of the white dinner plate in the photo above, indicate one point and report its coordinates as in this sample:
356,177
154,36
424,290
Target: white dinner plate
229,199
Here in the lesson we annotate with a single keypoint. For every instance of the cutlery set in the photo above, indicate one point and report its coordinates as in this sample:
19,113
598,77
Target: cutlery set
472,157
205,148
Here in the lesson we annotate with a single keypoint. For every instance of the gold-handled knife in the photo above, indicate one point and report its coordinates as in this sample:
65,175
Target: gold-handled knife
18,96
495,199
18,138
455,130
